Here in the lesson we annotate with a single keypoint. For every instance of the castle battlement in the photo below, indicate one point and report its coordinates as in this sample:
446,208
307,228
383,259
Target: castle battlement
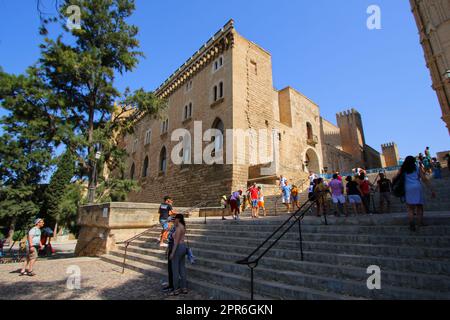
389,145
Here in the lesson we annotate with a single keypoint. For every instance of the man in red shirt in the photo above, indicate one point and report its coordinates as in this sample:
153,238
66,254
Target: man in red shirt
254,200
364,185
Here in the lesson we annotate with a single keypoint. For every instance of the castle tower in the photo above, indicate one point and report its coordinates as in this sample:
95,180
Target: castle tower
391,154
352,135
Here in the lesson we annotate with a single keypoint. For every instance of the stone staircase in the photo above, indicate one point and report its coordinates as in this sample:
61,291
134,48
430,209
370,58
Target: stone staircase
336,258
274,205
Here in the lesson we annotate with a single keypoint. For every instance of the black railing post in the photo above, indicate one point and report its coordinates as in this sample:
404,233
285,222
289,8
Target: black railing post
300,238
205,216
125,257
251,282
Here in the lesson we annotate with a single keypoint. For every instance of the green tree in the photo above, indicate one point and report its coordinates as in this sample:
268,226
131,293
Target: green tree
56,190
68,97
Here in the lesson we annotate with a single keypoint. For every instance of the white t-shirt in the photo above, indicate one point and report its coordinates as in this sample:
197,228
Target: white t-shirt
283,182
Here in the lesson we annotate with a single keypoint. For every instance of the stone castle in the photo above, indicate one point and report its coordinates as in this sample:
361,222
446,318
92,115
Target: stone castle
433,21
227,84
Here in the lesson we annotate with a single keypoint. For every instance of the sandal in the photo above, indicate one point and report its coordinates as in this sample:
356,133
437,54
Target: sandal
174,293
23,273
31,274
184,291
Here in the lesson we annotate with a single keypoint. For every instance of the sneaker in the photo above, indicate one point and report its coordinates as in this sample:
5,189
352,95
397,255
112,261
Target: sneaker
167,289
164,245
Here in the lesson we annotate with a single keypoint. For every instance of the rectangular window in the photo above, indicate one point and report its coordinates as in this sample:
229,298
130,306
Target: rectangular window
221,90
254,67
148,137
215,93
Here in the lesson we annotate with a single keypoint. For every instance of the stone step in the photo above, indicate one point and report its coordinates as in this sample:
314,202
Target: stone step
407,279
336,229
412,240
303,283
213,291
239,283
442,254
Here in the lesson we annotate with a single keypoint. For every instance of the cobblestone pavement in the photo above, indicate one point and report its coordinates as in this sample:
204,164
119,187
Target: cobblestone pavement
99,281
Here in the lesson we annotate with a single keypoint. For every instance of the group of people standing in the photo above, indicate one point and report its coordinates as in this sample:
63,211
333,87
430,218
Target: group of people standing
237,202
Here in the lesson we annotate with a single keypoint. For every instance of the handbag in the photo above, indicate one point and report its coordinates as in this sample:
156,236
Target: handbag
398,186
189,254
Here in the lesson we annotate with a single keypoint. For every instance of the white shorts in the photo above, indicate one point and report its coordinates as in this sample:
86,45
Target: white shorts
287,200
339,199
354,198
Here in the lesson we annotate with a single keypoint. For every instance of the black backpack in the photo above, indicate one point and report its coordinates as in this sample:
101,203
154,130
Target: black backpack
398,186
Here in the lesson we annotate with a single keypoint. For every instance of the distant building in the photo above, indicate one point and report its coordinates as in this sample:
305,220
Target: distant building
227,84
433,20
390,154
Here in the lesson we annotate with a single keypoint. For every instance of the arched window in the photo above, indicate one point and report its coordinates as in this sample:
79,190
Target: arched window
218,138
132,171
163,160
145,168
309,131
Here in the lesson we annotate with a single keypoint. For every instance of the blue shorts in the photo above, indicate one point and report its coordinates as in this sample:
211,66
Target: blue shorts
295,198
164,224
255,203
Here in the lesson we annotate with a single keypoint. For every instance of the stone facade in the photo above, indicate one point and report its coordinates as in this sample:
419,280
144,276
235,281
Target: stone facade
433,21
228,84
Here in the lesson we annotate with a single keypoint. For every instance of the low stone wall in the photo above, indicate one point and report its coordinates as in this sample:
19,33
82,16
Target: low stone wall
105,225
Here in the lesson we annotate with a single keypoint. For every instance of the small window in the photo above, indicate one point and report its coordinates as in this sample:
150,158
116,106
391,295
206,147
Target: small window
215,93
187,111
148,137
218,63
220,90
163,160
165,126
189,86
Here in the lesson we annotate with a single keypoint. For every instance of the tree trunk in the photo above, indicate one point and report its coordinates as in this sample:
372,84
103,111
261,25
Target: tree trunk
12,227
55,231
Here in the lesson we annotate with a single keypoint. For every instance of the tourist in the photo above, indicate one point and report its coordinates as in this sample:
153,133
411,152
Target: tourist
253,191
312,177
283,181
384,187
169,287
354,195
437,169
321,196
224,202
178,257
261,204
364,186
33,246
235,204
413,176
286,196
165,211
337,195
295,197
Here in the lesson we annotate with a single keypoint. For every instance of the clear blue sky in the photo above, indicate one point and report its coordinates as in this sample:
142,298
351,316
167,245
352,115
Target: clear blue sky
322,48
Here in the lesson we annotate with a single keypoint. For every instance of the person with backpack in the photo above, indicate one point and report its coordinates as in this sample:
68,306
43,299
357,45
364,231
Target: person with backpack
354,195
165,211
408,185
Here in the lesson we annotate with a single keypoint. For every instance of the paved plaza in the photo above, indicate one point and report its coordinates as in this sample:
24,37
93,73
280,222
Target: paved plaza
99,281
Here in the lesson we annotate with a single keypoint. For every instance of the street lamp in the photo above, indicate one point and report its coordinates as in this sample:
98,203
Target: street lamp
93,184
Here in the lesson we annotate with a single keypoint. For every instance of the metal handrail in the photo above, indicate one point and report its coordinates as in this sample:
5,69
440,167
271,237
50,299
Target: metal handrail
252,264
129,241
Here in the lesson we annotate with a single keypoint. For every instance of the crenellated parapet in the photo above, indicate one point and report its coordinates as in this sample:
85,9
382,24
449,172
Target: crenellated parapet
213,48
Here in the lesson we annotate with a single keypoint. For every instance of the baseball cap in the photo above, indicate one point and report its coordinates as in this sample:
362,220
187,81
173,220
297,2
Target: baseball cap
38,220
